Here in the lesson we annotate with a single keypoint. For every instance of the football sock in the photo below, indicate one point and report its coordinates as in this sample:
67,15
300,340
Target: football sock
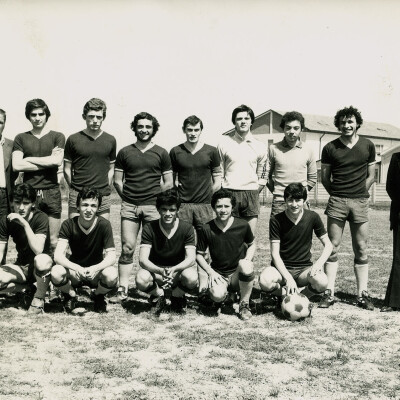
361,272
42,283
331,268
66,288
124,271
101,289
178,292
246,286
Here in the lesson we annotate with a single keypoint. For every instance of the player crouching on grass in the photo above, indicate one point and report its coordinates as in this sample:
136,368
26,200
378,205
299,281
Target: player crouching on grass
231,245
87,236
29,229
167,256
290,234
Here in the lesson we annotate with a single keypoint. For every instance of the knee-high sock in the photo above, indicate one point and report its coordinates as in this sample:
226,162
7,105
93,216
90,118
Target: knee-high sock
331,268
42,283
124,271
102,289
361,272
246,286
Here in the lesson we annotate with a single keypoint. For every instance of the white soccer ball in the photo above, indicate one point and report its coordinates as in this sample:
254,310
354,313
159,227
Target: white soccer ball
296,306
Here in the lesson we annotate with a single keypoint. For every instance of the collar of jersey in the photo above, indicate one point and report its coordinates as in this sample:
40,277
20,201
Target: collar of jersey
173,230
198,148
91,227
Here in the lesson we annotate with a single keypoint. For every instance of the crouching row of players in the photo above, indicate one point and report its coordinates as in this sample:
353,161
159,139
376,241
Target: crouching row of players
168,253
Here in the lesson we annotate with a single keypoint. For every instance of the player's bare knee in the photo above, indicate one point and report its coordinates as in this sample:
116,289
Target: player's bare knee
268,279
58,274
189,278
43,264
319,282
144,280
246,267
109,276
218,293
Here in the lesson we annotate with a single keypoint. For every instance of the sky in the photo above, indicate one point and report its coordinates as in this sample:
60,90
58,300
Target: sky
178,58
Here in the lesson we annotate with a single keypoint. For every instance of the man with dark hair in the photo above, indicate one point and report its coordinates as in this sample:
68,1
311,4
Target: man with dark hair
38,153
29,229
90,158
243,165
197,172
230,241
290,160
347,173
142,170
88,237
290,235
167,256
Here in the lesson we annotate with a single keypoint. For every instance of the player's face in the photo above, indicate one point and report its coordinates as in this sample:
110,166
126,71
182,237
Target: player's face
94,119
23,208
348,126
38,118
242,122
168,214
144,130
88,209
294,206
223,209
292,132
193,133
2,123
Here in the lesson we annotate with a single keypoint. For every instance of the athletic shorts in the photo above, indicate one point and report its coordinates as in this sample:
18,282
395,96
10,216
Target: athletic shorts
145,213
25,272
296,272
346,209
247,203
196,214
73,195
49,201
77,282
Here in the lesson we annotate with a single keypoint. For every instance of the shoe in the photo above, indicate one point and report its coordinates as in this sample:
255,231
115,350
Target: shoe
159,306
388,309
54,295
69,303
25,299
364,301
244,311
204,298
120,297
178,304
100,304
37,306
327,299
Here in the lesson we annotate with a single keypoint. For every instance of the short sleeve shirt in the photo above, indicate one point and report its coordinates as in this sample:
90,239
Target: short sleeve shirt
296,239
90,159
167,251
195,172
87,246
349,166
226,248
142,173
32,146
39,224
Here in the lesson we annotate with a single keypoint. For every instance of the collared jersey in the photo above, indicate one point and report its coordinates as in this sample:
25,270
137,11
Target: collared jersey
243,162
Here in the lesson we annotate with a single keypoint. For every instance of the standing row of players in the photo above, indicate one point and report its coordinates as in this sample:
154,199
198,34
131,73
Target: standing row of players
240,163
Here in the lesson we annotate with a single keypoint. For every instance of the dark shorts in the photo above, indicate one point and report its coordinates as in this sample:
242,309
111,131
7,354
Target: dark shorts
346,209
73,195
143,214
296,272
49,201
196,214
247,203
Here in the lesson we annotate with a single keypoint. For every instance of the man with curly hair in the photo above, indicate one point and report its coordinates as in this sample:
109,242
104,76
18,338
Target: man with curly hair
348,164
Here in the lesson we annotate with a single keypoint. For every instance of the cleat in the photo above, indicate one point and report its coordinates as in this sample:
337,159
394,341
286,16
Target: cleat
25,299
120,297
159,306
364,301
327,299
69,303
100,304
389,309
204,298
37,306
54,295
244,311
178,304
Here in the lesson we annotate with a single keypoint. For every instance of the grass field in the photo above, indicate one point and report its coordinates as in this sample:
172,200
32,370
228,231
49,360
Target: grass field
340,353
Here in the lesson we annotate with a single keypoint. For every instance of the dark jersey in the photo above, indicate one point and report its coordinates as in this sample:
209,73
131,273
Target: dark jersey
295,240
226,248
167,251
90,159
39,224
33,146
349,166
195,172
87,246
142,173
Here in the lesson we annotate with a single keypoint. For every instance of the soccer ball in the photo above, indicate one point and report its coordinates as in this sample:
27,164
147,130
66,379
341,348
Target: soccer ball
296,306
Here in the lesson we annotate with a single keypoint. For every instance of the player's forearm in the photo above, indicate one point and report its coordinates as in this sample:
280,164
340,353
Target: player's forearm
25,166
326,252
45,162
108,261
62,260
165,185
145,263
280,266
216,183
111,175
369,181
327,185
250,252
203,263
119,187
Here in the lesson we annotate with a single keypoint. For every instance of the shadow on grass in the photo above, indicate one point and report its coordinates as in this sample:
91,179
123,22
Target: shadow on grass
351,299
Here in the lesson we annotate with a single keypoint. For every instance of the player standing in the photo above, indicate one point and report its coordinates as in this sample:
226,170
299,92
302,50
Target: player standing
88,237
290,235
29,229
139,169
167,256
90,158
230,241
348,166
243,165
290,160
